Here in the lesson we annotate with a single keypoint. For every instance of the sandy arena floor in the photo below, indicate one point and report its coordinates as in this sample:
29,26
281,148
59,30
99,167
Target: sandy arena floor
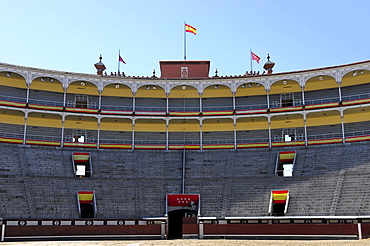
193,242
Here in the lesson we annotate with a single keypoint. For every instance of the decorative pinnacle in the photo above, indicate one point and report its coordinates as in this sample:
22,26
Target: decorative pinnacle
268,57
216,72
100,57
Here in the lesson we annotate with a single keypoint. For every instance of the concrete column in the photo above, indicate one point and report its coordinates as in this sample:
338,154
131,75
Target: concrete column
28,93
269,124
167,123
200,103
342,121
64,97
201,135
62,139
133,135
234,104
305,130
359,231
163,230
98,142
201,230
339,90
2,231
167,109
25,128
235,144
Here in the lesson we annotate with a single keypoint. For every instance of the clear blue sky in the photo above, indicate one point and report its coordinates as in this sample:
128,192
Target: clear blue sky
70,35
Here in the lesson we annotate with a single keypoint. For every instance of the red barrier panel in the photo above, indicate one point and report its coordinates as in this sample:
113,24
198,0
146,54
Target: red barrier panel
365,227
75,230
280,229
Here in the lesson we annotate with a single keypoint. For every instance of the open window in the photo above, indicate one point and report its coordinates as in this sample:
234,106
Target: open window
285,162
81,101
86,204
82,165
279,200
79,136
287,100
289,134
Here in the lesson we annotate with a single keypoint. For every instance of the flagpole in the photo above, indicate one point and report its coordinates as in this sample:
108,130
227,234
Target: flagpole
119,55
251,60
184,41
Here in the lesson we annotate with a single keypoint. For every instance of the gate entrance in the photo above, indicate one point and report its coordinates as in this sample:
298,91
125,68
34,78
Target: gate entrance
179,206
175,222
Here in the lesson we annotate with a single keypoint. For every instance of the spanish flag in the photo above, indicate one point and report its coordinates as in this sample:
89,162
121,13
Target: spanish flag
280,196
191,29
86,196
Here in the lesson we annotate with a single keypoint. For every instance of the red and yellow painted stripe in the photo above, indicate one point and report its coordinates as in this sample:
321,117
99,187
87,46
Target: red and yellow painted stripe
83,145
115,146
82,110
355,102
150,146
54,108
218,146
11,140
357,139
325,141
252,145
211,113
184,113
286,109
13,104
186,146
42,142
283,144
323,105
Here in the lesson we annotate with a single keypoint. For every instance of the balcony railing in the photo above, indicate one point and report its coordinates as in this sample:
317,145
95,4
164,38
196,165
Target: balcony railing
13,99
252,140
324,136
11,135
250,107
43,138
184,109
45,102
115,141
321,101
115,107
218,108
150,109
356,97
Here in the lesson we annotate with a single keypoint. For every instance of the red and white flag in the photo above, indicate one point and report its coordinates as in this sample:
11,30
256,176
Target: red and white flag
120,59
255,57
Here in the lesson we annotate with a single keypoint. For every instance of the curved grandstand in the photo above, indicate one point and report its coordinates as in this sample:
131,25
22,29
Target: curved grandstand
286,148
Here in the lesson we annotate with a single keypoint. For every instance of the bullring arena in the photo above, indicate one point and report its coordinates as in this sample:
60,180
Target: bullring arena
185,155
